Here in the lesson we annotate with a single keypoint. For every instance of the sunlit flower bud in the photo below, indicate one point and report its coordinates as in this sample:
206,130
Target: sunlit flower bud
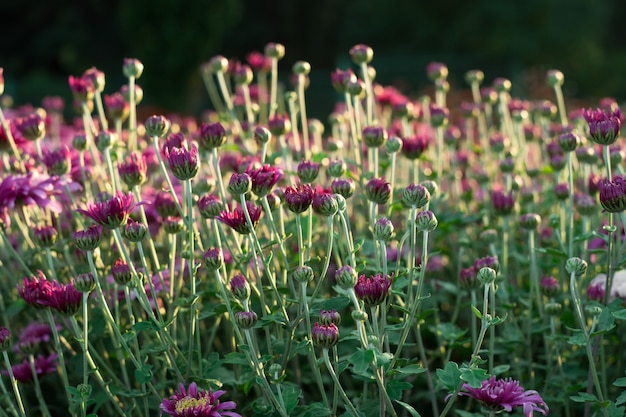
576,266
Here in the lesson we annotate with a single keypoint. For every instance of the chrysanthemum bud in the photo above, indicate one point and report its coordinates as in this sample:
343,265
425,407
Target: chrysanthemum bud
5,334
88,239
105,139
489,236
361,54
431,186
467,278
604,126
213,259
132,67
549,286
134,231
613,194
415,195
486,275
426,221
378,191
576,266
593,310
239,184
383,229
157,125
569,141
211,136
262,134
359,315
79,142
299,198
393,145
301,68
373,290
324,204
325,335
561,191
507,165
239,287
85,283
218,64
487,261
275,50
474,76
530,221
303,274
337,168
555,78
308,171
246,319
173,225
436,71
210,206
374,136
346,277
553,309
121,272
330,317
45,236
502,85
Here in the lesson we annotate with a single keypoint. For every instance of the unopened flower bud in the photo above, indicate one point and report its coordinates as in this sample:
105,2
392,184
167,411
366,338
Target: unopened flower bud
213,259
105,139
361,54
568,141
173,225
79,142
246,319
132,67
346,277
121,272
378,191
308,171
393,145
502,85
239,184
324,204
45,236
210,206
85,283
325,335
262,134
553,309
426,221
576,266
530,221
337,168
88,239
555,78
239,287
549,286
431,186
157,125
5,334
359,315
486,275
301,68
344,187
330,317
275,50
383,230
415,195
374,136
489,236
474,76
303,274
134,231
593,310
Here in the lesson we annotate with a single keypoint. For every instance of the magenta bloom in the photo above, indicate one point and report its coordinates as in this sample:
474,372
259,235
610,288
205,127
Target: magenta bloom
65,298
414,146
613,194
43,365
82,88
236,219
325,335
36,291
33,189
604,125
503,203
299,198
264,178
504,394
373,290
112,213
197,403
184,163
34,334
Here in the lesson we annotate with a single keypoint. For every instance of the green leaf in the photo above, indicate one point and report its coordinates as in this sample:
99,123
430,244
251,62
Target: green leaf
620,382
477,312
314,410
361,360
395,388
620,314
277,318
500,369
145,326
236,358
334,303
291,396
605,322
578,338
621,399
583,397
408,408
411,369
614,411
144,374
450,376
474,376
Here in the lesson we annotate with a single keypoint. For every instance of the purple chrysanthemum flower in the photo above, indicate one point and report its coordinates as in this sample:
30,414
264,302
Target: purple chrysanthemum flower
325,335
33,189
112,213
193,402
503,203
413,147
65,298
604,125
299,198
36,290
43,365
373,290
613,194
34,334
236,219
183,162
504,395
264,178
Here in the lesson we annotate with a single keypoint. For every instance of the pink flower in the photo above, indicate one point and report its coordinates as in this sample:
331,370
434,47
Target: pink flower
264,178
236,219
373,290
43,365
197,403
36,290
604,125
33,189
504,394
111,213
183,162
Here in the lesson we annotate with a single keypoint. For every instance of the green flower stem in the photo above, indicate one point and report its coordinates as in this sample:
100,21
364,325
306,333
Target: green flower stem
559,361
354,133
506,230
248,104
307,320
228,101
291,104
534,274
132,116
410,262
113,174
360,325
440,152
59,348
570,206
215,159
42,402
83,176
348,234
5,393
273,107
484,325
303,119
583,326
16,390
369,96
560,102
335,364
192,275
144,265
85,341
392,180
100,108
333,375
266,266
253,358
227,301
51,263
300,240
211,88
277,235
329,249
473,319
429,378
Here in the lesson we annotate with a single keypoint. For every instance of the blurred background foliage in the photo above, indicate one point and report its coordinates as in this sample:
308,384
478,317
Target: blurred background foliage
45,41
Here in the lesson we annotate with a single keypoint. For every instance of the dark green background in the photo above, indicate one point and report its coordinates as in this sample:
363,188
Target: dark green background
42,42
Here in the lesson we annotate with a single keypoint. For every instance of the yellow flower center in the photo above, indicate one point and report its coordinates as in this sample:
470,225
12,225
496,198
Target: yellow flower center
190,402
